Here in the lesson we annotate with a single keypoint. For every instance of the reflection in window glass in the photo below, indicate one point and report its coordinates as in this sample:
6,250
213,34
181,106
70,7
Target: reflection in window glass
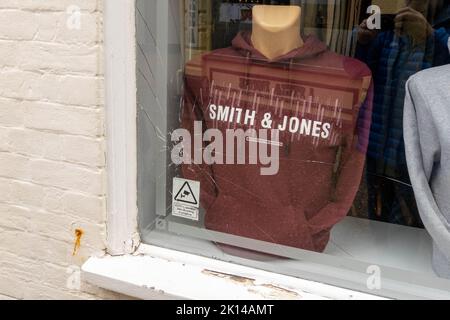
274,132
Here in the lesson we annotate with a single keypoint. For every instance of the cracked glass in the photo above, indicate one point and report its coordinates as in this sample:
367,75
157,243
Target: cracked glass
301,137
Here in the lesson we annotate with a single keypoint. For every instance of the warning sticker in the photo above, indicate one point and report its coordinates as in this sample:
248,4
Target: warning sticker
186,199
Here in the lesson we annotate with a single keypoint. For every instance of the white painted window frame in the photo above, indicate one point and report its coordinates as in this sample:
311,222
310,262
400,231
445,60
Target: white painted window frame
121,127
150,272
141,270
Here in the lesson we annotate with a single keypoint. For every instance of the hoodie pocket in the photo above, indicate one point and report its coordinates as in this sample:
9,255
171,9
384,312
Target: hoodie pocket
284,225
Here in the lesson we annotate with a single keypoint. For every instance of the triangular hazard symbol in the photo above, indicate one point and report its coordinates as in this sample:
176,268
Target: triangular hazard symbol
186,195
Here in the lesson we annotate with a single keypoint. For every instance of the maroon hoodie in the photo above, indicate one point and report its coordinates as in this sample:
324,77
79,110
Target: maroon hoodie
329,96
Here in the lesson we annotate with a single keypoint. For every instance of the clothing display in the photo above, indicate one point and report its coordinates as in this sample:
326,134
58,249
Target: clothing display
320,101
299,137
393,59
427,142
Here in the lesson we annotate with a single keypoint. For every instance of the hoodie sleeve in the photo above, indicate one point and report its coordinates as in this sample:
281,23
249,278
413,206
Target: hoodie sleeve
423,153
192,112
349,173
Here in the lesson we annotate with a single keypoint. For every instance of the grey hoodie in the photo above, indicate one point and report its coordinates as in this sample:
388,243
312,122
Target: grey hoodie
427,142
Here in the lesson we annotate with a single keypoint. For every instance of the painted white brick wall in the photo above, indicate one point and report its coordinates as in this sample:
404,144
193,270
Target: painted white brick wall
52,162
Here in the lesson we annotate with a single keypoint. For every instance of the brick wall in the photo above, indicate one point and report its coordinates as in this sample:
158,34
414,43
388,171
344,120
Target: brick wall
52,162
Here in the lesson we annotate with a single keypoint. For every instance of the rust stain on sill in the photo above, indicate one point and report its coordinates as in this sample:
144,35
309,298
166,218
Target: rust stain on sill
265,290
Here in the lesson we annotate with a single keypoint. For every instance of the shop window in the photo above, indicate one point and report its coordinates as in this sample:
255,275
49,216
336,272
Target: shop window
290,134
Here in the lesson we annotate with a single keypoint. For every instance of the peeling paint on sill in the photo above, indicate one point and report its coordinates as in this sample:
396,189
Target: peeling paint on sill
264,290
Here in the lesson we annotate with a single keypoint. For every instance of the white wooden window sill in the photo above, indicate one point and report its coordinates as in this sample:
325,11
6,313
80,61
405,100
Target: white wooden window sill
157,273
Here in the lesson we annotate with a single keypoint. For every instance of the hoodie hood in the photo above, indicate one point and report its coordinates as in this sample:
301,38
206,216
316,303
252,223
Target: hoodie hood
320,99
311,47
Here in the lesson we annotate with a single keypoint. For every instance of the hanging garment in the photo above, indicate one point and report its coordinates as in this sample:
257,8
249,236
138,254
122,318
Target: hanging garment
320,101
427,142
393,59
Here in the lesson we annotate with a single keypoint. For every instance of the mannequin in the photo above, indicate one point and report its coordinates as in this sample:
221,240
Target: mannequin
274,72
276,29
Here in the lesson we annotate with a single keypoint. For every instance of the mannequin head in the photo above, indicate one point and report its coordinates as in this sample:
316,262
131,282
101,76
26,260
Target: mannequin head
276,18
276,29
